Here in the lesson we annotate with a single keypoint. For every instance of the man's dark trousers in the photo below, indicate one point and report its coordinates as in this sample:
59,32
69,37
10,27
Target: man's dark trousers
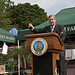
61,64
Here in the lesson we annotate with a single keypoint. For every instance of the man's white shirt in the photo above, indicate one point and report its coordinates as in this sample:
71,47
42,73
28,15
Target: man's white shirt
52,28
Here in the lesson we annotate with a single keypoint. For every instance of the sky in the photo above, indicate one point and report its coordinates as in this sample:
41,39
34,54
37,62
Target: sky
50,6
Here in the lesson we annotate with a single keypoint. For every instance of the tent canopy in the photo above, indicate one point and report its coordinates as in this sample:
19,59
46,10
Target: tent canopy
65,17
5,36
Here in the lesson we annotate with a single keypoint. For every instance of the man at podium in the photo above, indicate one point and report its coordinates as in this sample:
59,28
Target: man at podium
59,29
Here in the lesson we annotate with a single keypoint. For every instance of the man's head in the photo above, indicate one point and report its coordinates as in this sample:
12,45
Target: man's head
52,20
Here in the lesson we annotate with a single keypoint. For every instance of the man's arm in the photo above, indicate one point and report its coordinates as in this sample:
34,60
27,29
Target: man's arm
32,28
62,34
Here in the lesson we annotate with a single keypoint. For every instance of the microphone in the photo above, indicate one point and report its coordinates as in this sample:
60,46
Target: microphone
61,33
66,36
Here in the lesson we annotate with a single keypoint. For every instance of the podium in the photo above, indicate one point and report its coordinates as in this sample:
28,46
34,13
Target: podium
45,63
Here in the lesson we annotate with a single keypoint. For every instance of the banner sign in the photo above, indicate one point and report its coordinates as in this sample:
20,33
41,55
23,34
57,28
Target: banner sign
69,29
14,31
5,37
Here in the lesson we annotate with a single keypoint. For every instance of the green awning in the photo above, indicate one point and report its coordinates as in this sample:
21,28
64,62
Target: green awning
66,16
5,36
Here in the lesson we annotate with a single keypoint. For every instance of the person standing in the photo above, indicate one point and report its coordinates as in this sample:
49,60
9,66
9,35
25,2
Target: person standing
59,29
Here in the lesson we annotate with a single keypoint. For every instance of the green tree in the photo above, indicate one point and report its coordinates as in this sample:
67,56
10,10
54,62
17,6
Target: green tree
4,20
25,56
23,14
8,3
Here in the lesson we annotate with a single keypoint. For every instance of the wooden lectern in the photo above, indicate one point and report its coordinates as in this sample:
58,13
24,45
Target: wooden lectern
45,64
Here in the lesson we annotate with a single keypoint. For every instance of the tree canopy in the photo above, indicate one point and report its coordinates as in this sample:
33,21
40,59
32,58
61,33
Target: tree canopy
23,14
19,16
4,19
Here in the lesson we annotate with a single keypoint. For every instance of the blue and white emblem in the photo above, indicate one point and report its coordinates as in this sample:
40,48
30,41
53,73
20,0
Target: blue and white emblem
39,46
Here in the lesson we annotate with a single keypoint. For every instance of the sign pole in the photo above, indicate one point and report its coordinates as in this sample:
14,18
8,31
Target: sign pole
18,60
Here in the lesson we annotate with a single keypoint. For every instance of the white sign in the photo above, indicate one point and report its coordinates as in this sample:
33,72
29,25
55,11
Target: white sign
5,49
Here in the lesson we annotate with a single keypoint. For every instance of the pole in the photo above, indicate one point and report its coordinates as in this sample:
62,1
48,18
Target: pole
18,60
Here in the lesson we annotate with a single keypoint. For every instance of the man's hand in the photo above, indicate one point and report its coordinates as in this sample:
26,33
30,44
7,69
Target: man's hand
30,26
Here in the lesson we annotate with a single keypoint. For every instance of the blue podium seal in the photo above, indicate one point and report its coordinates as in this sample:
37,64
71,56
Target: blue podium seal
39,46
